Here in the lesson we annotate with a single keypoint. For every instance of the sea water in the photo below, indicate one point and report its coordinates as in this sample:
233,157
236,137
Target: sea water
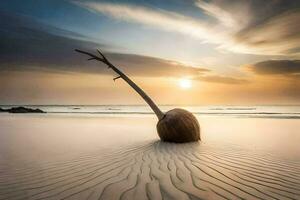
228,111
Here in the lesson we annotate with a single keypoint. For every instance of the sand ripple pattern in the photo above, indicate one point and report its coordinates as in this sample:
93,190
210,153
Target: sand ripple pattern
157,170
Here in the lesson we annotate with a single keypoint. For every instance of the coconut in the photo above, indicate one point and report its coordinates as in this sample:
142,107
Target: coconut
176,125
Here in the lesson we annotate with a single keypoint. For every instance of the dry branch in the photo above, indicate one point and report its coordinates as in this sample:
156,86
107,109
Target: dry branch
104,60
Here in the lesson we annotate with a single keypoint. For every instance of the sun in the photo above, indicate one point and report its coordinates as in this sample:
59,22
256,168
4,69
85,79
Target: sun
185,83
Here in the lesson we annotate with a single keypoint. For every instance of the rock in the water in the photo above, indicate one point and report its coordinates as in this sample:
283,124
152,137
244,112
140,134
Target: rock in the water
21,109
178,125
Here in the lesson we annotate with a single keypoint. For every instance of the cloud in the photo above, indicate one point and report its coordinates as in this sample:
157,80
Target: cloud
277,67
221,79
224,14
259,27
156,18
278,35
28,45
139,65
255,27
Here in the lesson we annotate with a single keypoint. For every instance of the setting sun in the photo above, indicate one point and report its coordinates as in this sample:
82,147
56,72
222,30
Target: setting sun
185,83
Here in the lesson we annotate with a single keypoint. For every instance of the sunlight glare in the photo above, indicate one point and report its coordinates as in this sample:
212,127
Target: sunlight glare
185,83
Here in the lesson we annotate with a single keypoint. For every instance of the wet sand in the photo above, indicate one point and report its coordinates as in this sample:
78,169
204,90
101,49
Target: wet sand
120,157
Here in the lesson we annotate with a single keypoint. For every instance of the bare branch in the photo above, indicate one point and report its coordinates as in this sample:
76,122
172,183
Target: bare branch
116,78
91,55
104,58
154,107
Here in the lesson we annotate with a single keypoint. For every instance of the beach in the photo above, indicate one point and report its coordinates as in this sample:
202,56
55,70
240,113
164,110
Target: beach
115,153
150,100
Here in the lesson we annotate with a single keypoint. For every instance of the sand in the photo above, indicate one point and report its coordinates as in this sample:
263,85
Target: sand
120,157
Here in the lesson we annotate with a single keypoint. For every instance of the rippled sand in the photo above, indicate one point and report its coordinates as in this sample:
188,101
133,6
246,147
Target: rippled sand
78,157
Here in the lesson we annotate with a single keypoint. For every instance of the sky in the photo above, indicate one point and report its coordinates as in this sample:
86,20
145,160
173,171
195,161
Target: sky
232,52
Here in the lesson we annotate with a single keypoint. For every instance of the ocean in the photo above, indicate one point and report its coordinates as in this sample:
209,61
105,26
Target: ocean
281,112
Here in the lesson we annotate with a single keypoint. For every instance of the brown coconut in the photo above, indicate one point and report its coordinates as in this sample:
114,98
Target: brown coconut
177,125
